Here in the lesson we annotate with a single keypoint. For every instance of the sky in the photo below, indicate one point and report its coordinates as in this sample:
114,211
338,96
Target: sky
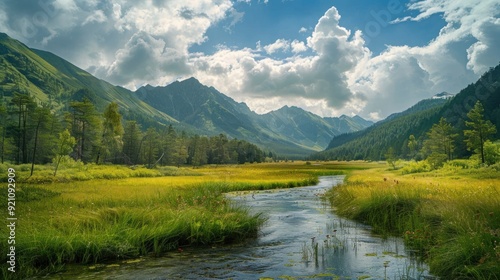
331,57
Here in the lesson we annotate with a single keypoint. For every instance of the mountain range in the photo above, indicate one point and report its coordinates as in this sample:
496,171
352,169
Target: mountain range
187,105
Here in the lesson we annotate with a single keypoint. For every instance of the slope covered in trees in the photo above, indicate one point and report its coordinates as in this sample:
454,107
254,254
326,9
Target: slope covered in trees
288,130
394,132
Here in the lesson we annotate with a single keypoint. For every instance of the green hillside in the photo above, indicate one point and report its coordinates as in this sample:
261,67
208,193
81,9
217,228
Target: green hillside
51,79
373,142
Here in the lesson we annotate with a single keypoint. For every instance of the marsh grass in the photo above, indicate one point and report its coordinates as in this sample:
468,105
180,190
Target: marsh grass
127,213
450,216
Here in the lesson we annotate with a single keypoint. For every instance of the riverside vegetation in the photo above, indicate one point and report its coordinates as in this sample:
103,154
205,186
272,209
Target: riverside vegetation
106,213
98,213
450,216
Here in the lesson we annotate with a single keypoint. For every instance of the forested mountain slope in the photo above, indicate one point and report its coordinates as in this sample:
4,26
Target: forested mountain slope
373,142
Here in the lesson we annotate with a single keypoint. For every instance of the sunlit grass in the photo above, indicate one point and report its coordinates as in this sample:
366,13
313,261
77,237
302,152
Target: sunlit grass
452,215
124,215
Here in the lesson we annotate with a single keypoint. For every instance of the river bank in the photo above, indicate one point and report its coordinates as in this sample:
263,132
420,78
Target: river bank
450,216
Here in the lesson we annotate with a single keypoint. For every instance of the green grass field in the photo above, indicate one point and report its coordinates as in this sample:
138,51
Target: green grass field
91,214
451,216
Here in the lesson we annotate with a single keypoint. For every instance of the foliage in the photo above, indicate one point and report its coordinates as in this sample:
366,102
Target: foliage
480,130
64,147
416,167
391,158
440,142
449,216
491,152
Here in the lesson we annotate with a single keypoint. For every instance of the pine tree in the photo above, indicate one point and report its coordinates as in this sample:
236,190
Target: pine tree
85,127
131,142
111,140
441,140
412,145
151,143
481,130
41,119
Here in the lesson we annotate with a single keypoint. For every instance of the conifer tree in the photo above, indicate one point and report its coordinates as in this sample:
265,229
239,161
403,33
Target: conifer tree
480,130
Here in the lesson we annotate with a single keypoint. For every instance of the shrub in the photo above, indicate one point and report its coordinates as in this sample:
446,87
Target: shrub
416,167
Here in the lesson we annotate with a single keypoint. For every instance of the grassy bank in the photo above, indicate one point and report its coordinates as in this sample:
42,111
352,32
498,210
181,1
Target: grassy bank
451,216
125,216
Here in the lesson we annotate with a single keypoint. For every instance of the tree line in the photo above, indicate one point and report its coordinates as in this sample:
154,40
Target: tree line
440,142
33,133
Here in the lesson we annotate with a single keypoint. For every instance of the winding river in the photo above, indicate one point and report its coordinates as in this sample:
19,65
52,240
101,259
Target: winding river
302,239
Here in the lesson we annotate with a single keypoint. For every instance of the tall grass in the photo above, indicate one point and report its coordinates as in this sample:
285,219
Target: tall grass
100,220
450,216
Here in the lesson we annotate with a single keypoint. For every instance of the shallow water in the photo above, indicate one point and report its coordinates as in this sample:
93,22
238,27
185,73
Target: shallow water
302,239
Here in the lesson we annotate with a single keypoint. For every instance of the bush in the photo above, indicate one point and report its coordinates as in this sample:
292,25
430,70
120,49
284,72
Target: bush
463,163
416,167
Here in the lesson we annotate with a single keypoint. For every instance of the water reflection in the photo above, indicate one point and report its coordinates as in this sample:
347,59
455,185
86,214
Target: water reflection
302,239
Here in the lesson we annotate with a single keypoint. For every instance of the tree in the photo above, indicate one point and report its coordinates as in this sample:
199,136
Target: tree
64,147
151,139
111,140
3,130
491,152
219,151
481,130
391,158
168,145
412,145
131,142
198,150
440,141
180,153
85,126
25,105
41,117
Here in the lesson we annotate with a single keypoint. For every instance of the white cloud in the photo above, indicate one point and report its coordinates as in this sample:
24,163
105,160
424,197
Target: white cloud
486,50
319,78
332,72
278,45
401,76
298,46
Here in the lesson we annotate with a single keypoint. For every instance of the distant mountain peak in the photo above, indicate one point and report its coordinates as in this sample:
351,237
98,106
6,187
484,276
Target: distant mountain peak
191,80
443,95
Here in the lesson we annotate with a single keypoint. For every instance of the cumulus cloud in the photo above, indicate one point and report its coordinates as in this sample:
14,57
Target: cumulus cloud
332,72
401,76
320,78
298,46
280,44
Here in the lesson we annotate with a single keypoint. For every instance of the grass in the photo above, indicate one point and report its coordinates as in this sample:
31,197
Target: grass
450,216
115,212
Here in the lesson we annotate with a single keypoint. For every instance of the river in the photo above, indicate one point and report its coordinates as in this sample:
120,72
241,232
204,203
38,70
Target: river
301,239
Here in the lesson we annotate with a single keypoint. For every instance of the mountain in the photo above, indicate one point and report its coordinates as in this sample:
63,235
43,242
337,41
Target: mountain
51,79
188,105
289,130
373,142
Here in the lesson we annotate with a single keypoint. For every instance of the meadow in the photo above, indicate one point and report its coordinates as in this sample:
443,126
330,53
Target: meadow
450,216
90,214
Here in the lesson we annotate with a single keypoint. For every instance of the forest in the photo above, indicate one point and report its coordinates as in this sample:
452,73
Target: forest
34,133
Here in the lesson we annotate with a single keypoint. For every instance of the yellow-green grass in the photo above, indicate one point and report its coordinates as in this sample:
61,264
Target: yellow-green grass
451,216
97,220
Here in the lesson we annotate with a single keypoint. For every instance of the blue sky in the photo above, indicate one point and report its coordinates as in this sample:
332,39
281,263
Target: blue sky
265,22
331,57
